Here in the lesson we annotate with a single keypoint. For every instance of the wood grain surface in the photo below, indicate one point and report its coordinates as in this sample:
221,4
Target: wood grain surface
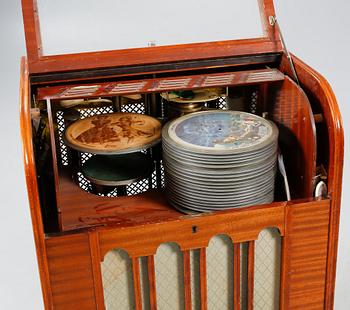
303,265
71,272
290,109
69,261
32,185
305,258
331,152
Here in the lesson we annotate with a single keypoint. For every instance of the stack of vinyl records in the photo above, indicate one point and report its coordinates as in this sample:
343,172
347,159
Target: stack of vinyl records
217,160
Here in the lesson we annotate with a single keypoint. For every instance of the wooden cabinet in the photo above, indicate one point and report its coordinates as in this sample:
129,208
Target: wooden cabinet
75,229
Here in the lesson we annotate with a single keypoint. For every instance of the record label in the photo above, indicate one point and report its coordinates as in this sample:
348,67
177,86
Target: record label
220,130
217,160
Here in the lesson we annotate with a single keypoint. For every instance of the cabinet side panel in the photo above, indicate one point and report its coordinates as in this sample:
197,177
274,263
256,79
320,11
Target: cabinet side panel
71,274
317,87
32,185
305,256
290,109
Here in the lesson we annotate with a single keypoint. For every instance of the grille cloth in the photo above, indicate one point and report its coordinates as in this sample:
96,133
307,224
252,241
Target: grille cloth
117,276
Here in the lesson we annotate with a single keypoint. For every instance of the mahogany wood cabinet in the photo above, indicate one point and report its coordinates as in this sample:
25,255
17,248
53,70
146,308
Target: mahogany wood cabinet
74,229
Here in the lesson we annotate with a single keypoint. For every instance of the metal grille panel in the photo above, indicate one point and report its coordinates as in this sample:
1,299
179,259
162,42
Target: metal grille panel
222,104
83,182
60,129
95,111
84,157
134,108
253,107
137,187
132,189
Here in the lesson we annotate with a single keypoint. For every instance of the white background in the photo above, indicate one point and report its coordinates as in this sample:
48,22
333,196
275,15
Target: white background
317,31
122,26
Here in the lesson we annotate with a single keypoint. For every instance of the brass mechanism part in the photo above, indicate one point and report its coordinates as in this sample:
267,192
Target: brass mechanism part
321,175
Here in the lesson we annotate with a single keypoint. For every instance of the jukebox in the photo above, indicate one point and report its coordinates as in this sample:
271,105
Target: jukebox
172,173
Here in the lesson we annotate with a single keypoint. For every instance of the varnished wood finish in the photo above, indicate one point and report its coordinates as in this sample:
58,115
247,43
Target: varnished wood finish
137,282
69,261
84,210
123,222
32,185
149,55
152,282
176,68
32,30
152,55
240,224
237,276
290,109
71,272
187,280
96,269
250,276
304,265
317,88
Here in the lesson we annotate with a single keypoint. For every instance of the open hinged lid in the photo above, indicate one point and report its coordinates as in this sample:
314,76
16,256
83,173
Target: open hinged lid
86,34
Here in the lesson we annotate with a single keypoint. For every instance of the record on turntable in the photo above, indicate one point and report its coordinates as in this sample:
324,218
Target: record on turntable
181,103
83,103
113,133
117,170
194,96
217,160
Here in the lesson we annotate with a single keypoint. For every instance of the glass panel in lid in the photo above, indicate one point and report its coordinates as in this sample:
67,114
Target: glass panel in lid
75,26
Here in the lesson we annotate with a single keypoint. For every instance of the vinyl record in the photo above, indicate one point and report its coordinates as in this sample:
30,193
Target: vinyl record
117,170
113,133
217,160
